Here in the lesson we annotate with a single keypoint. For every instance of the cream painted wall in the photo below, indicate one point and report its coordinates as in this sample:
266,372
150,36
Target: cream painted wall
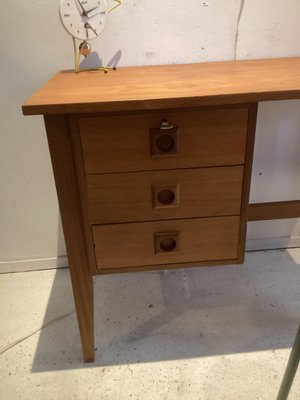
34,46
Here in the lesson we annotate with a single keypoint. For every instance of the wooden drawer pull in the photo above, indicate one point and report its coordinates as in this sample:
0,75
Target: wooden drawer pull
166,242
165,143
164,140
165,196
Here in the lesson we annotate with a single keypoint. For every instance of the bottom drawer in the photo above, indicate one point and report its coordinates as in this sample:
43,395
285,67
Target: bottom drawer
166,242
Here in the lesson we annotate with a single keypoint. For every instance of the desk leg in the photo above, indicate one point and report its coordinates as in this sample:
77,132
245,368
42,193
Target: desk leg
291,369
252,117
64,169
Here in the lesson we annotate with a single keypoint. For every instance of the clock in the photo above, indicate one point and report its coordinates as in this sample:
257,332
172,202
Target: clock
84,20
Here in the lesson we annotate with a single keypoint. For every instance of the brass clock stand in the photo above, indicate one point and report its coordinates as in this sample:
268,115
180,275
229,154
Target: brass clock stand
84,49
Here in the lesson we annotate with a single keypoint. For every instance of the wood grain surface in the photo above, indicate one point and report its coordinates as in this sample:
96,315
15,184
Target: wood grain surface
274,210
168,86
64,168
247,180
208,137
202,192
80,174
200,239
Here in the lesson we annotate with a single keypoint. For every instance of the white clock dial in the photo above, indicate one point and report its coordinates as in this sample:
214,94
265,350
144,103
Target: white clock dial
83,19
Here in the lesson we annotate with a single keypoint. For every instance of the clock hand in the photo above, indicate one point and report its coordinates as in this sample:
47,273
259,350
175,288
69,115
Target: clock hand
92,16
92,9
88,26
84,13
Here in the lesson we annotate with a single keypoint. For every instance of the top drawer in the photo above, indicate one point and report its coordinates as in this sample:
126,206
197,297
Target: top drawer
140,142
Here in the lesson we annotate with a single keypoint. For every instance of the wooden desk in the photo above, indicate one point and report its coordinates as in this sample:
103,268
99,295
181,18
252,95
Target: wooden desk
153,165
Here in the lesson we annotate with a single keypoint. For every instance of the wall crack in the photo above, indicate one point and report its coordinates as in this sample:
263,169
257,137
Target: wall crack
237,31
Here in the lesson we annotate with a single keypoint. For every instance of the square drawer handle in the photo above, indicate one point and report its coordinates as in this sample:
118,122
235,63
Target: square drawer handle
166,242
164,141
165,195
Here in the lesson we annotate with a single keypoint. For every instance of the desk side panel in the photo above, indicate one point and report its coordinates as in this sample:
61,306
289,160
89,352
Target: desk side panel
64,170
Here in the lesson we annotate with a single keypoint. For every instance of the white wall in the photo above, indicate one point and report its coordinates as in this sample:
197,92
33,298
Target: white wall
34,46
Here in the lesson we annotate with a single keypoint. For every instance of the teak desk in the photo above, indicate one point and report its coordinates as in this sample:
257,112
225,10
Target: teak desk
153,165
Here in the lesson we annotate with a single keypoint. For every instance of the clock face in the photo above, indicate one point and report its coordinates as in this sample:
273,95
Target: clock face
83,19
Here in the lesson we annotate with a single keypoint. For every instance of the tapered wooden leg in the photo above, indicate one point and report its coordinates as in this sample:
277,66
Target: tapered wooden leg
252,117
291,369
60,145
84,302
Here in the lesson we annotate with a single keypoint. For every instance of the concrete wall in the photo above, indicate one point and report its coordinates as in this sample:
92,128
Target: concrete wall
34,46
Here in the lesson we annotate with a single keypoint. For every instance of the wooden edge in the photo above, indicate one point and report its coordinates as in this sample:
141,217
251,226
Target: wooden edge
145,268
132,111
274,210
157,104
162,110
252,118
80,174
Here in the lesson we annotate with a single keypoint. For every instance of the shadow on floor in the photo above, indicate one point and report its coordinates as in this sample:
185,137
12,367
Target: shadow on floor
177,314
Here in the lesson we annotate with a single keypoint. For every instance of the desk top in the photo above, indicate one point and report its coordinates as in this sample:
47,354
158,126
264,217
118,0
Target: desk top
168,86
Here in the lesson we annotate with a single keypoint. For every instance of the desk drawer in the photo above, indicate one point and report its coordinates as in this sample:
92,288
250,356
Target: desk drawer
156,195
166,242
201,138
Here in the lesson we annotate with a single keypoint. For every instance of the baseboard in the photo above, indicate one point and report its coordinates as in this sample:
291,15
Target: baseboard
272,243
62,261
33,265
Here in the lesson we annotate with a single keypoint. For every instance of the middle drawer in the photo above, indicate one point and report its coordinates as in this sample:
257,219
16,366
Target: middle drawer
157,195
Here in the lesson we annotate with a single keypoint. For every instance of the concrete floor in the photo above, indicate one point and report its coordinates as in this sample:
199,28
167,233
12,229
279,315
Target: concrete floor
203,333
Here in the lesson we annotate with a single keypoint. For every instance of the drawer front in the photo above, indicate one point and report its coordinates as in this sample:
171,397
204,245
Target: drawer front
156,195
166,242
141,142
